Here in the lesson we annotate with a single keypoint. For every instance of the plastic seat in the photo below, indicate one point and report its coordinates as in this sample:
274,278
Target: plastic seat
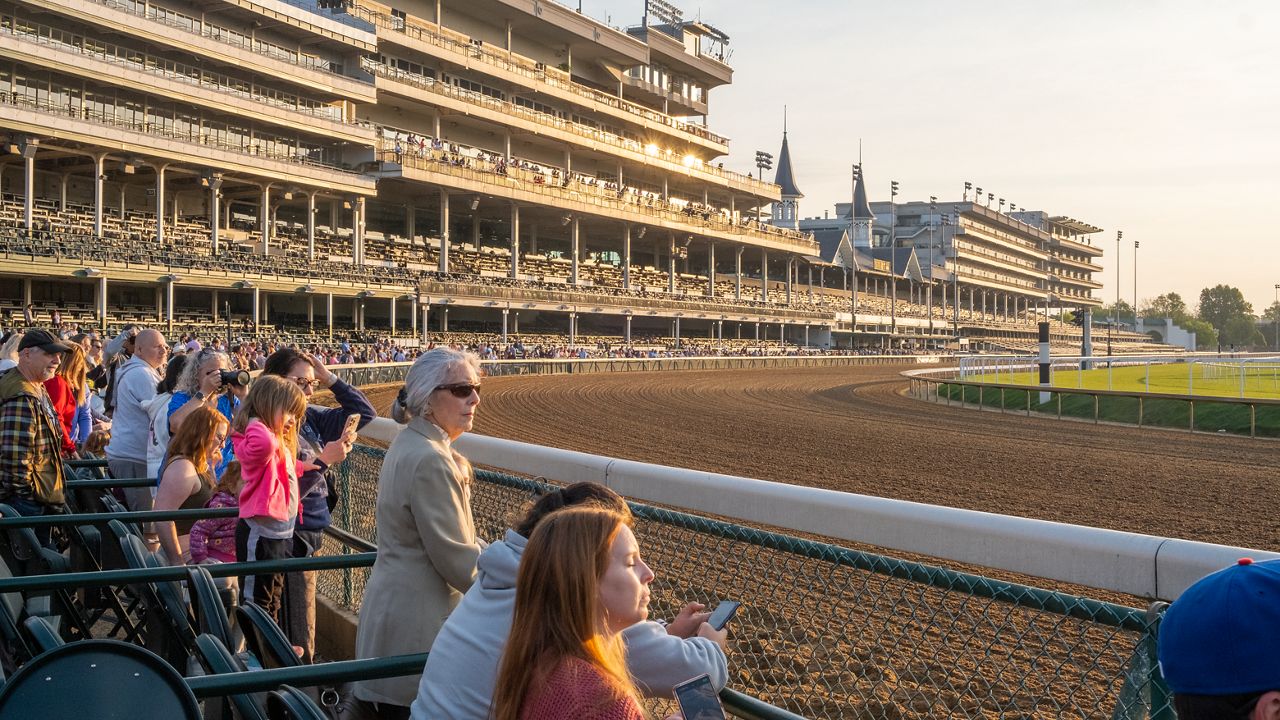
42,634
290,703
265,639
218,660
169,629
207,606
101,679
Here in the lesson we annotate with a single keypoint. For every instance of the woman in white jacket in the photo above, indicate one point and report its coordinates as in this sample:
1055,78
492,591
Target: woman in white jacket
458,681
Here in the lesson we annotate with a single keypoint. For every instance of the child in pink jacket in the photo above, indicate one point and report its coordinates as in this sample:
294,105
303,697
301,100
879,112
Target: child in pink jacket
265,438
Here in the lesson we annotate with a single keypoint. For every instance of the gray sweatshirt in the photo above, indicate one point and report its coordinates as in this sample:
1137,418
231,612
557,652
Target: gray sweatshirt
130,424
462,668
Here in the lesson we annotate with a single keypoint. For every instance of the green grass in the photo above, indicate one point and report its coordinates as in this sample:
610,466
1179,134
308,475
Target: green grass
1210,416
1171,379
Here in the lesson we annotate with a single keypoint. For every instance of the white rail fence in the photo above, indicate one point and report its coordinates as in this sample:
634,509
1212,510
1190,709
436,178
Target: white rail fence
1144,565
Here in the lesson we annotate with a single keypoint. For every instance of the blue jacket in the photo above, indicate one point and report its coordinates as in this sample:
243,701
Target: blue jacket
324,425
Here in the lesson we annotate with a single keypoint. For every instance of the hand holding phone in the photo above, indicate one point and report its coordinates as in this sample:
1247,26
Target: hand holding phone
723,613
353,423
698,699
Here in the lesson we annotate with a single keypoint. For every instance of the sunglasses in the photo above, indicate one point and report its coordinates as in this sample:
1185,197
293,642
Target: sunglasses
461,390
304,382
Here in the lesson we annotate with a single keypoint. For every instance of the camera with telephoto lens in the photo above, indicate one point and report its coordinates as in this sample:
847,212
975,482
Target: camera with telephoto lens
239,378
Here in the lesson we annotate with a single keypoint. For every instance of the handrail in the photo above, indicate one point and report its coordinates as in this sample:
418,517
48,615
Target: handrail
1132,563
109,483
342,671
34,521
67,581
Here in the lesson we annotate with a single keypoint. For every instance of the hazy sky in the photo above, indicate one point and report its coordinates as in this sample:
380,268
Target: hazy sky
1161,119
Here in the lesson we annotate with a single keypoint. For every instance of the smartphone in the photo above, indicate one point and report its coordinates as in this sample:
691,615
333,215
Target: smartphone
724,612
698,699
353,422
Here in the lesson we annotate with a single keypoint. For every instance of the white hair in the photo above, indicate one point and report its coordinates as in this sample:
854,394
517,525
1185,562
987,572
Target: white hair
430,371
189,380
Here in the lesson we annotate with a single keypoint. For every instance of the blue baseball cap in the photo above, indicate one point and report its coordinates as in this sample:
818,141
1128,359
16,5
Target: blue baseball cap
1222,636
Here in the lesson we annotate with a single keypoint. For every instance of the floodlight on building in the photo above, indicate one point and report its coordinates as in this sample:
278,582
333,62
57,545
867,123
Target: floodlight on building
650,149
475,202
643,229
565,220
211,180
92,272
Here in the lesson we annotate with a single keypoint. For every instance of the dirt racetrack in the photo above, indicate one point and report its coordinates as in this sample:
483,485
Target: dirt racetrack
829,642
852,429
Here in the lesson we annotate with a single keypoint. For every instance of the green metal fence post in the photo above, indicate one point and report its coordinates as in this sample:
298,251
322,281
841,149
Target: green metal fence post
344,486
1158,691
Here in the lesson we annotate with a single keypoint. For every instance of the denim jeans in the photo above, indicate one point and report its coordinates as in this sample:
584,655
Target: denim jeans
31,508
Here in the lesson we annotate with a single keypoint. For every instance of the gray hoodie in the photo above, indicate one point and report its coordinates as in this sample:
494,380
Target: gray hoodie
462,668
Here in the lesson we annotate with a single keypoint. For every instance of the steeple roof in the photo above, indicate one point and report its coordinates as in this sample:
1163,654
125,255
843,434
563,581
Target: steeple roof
786,177
861,208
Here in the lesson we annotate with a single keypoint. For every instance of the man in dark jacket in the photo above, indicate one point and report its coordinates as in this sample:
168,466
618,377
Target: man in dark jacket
323,437
31,478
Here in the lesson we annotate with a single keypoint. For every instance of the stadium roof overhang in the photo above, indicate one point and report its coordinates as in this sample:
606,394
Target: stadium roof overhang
1075,225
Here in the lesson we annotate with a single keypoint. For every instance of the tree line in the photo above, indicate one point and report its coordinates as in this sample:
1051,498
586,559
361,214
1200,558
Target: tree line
1221,318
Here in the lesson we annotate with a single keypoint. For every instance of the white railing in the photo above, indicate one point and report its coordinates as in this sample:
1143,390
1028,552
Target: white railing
1142,565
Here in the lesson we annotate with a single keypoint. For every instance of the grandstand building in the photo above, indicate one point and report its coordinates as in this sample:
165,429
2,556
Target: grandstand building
352,165
364,165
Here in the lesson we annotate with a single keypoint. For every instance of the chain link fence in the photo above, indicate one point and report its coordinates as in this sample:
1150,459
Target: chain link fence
829,632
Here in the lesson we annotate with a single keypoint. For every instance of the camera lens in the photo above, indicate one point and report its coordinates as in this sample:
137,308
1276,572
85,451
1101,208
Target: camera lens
234,377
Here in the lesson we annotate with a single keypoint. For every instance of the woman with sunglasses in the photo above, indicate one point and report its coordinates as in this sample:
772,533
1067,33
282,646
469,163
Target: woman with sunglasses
322,435
427,546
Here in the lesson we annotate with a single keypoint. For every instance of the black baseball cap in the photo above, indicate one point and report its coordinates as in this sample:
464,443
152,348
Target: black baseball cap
44,340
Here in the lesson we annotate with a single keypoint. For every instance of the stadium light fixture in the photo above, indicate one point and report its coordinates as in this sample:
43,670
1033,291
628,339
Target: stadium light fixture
95,272
967,187
566,220
643,229
475,202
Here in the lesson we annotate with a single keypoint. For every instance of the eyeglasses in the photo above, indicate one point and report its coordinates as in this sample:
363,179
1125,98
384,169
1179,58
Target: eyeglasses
461,390
304,382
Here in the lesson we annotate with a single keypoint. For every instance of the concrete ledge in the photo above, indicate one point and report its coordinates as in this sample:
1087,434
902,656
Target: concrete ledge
335,630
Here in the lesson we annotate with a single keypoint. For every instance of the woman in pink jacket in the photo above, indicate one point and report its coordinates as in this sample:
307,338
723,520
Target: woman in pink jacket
265,437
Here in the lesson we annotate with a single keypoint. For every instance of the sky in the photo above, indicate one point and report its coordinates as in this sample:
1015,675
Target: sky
1160,118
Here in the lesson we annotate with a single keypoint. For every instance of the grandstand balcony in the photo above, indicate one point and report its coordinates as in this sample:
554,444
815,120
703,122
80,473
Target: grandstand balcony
463,51
1071,262
519,295
305,17
43,116
974,253
204,38
1080,282
74,54
1001,241
502,112
476,172
988,280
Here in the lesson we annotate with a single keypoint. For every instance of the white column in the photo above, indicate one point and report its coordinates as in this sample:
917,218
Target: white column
737,274
393,316
575,249
505,313
264,219
328,312
102,302
99,172
213,305
266,309
360,218
29,191
160,204
515,242
671,260
626,258
711,269
443,265
168,306
413,317
311,313
626,330
257,305
214,218
311,226
764,275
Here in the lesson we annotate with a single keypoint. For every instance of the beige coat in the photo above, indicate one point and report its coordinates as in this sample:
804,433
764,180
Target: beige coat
427,551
